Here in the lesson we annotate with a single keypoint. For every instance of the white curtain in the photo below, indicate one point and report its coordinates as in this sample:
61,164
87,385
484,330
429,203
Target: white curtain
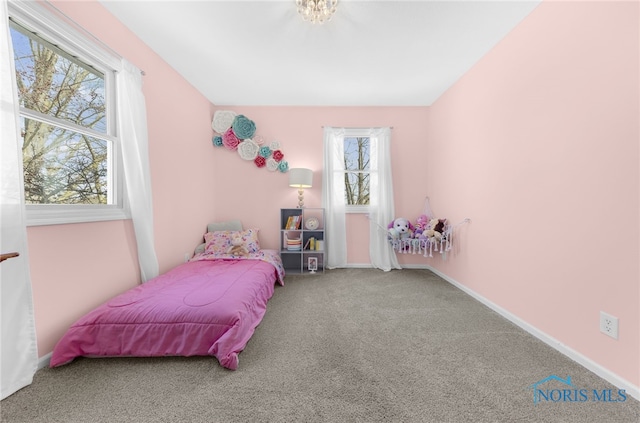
19,353
381,208
333,199
132,117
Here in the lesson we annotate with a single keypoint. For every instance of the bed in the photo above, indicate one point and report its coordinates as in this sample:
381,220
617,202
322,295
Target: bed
208,306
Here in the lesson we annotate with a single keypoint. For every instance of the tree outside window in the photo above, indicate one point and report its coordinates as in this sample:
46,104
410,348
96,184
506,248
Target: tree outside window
357,170
67,149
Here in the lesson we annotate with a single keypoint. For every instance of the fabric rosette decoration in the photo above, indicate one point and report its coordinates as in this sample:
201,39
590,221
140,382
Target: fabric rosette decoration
217,141
248,149
222,120
230,140
237,132
243,127
265,152
272,165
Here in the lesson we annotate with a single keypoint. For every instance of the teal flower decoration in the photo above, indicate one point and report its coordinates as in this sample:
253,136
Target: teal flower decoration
217,141
265,152
243,127
283,166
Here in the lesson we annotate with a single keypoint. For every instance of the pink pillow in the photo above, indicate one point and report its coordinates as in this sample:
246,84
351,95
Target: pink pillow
219,242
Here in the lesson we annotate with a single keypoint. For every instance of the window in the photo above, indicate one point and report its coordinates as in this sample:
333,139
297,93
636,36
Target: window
357,178
357,170
71,158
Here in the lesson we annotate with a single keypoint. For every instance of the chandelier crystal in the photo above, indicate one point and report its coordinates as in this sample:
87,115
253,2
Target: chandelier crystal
316,11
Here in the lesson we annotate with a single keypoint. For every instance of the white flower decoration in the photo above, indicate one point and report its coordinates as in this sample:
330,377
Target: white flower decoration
248,149
222,120
272,165
275,145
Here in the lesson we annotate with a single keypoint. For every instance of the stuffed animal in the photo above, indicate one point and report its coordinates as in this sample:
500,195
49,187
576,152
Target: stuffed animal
435,229
400,228
422,222
237,247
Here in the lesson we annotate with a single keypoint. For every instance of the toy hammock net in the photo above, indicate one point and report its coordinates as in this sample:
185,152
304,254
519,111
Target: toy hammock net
423,236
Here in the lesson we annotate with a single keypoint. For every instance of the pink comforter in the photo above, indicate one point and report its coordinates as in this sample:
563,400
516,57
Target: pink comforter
210,306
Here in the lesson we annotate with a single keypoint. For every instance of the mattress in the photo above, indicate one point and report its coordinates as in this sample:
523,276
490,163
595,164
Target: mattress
208,306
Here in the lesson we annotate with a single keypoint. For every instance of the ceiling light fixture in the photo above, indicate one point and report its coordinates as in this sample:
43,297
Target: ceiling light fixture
316,10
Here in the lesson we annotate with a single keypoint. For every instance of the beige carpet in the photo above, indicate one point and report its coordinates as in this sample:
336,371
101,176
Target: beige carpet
352,345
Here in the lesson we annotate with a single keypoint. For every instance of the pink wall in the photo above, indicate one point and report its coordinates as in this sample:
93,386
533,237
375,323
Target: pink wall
538,144
256,195
76,267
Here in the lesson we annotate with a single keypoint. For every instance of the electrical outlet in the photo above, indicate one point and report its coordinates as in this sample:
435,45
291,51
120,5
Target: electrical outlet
609,325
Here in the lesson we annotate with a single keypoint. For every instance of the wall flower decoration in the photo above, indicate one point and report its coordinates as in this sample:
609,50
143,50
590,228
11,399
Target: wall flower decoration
230,140
248,149
237,132
265,152
243,127
272,165
222,121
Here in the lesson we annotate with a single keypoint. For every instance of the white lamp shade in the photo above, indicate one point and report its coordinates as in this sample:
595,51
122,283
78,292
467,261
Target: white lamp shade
300,178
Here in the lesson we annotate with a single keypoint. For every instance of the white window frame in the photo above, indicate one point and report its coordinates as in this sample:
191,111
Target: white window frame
46,23
358,133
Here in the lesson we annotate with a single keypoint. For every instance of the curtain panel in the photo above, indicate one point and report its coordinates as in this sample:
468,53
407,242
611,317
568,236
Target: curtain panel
19,353
333,198
132,116
381,202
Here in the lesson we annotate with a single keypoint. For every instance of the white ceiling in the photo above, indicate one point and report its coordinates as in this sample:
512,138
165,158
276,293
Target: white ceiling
372,53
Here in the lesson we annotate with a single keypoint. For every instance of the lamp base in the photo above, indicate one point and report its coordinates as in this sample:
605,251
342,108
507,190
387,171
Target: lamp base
301,198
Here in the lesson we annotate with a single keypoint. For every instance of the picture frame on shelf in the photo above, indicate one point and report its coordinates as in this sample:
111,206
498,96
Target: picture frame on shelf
312,264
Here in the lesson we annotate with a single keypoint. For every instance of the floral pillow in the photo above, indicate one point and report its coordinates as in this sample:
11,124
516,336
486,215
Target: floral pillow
219,242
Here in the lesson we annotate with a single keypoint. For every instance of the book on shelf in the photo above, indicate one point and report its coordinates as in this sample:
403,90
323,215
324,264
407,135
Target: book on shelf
309,244
312,244
293,223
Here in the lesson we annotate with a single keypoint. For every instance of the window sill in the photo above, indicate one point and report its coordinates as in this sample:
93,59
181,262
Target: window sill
63,215
357,209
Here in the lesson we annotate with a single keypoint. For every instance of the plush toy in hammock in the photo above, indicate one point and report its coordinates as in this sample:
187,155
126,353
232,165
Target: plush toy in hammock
400,228
436,229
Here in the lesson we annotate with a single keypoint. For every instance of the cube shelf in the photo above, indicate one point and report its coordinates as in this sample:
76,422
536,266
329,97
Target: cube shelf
302,246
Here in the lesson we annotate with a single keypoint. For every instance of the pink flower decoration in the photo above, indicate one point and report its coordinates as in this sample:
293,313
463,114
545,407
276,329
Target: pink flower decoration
277,155
260,161
230,140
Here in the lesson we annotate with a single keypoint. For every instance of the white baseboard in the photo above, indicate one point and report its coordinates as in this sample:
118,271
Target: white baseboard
369,266
359,266
585,362
44,361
